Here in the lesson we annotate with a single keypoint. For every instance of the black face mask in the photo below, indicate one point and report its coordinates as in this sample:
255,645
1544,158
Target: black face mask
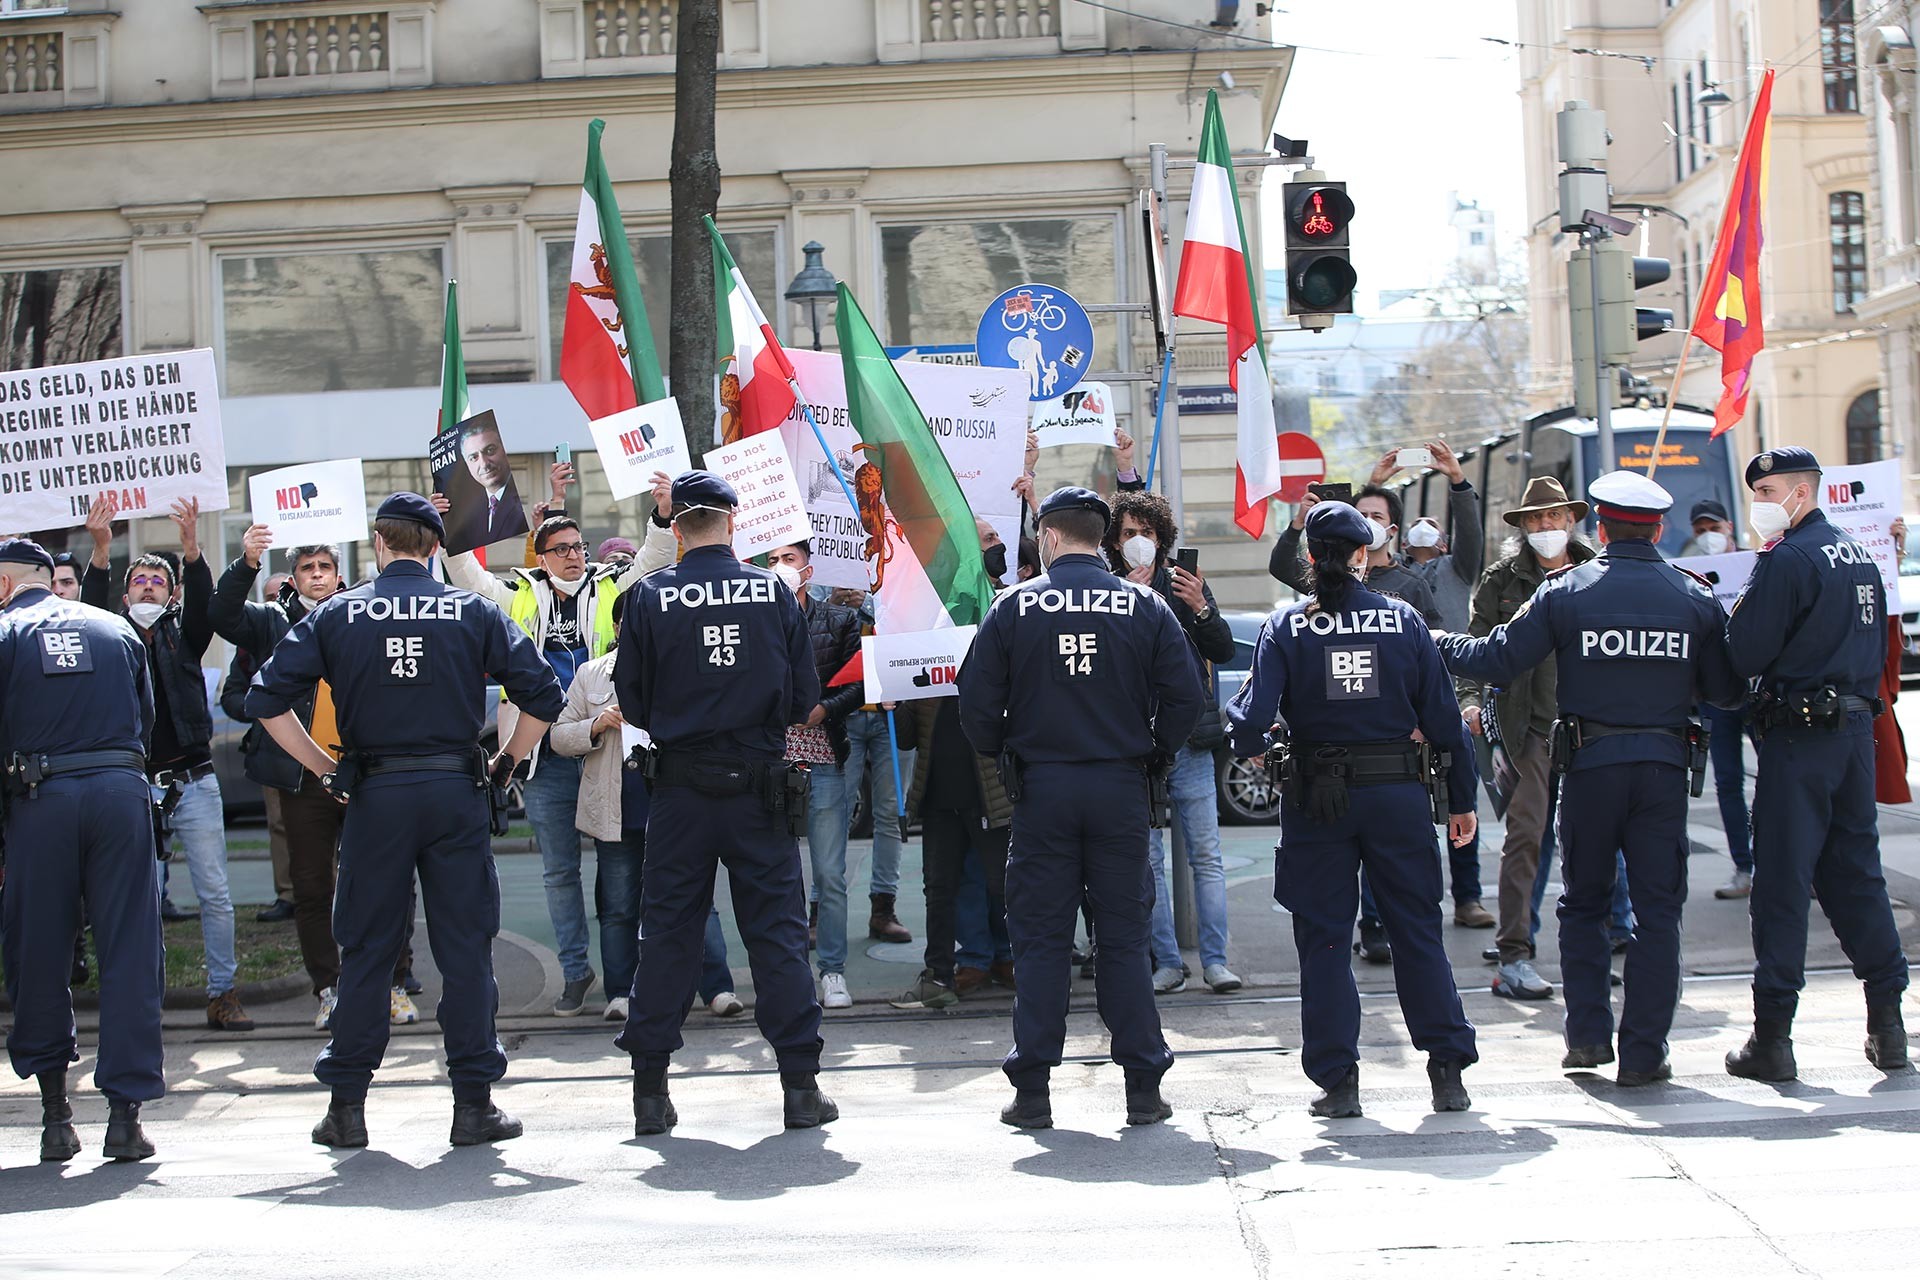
996,558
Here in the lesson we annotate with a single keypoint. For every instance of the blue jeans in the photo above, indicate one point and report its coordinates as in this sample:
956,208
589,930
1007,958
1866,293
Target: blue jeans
827,817
979,921
1195,808
1725,747
553,797
869,747
200,832
616,901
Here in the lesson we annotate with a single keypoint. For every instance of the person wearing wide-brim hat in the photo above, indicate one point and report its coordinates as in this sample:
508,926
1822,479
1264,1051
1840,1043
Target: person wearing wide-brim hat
1524,709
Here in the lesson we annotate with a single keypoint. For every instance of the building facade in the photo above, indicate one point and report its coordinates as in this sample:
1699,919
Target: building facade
1888,66
1677,80
293,182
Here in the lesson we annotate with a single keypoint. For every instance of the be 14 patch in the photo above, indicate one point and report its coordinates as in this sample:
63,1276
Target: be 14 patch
1353,671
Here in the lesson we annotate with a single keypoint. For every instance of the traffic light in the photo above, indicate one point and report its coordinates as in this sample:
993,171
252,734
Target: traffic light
1320,276
1622,325
1580,309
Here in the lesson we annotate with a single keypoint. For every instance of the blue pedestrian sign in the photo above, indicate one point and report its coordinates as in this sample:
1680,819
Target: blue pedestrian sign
1041,331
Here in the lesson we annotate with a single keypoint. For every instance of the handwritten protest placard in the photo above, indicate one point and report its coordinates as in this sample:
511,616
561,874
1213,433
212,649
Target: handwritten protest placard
771,513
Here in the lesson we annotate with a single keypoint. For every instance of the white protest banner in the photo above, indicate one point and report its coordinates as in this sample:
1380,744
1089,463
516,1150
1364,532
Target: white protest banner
143,431
770,513
914,664
1864,499
312,502
1082,416
637,442
1728,572
979,416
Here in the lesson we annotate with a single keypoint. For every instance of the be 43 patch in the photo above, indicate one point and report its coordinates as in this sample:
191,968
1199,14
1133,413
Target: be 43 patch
64,653
404,661
1353,672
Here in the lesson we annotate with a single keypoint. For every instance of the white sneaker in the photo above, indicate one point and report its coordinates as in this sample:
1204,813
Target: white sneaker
1520,981
400,1008
729,1005
1220,978
616,1010
833,991
1169,980
1741,886
323,1020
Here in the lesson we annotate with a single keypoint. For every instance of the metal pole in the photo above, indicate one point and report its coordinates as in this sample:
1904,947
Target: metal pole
1602,393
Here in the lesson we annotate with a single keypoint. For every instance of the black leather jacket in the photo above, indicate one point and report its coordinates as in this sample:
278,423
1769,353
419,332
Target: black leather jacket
255,629
834,631
179,639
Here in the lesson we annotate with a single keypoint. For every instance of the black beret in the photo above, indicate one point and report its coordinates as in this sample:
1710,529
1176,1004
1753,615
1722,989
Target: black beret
1340,522
1073,498
1791,458
703,489
411,506
25,551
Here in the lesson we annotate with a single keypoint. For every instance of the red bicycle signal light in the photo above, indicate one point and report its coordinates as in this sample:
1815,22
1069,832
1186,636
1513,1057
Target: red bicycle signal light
1317,213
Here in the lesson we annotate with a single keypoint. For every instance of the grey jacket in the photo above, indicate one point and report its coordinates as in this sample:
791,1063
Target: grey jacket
1453,575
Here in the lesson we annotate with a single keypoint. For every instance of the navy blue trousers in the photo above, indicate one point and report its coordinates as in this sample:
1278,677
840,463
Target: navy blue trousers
689,836
1389,831
85,835
1639,810
1080,834
397,825
1816,834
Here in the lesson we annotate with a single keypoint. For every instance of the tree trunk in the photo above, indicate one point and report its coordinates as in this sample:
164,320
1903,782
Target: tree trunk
694,179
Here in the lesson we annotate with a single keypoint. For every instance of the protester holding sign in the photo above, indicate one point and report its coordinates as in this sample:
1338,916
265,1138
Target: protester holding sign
180,755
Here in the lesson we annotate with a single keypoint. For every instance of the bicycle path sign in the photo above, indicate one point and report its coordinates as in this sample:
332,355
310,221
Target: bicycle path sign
1040,330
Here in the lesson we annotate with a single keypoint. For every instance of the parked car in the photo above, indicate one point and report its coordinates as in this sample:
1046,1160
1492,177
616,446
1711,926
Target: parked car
1247,797
241,796
1910,608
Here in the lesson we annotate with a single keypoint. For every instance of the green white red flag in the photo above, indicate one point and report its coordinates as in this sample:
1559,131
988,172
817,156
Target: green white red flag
756,378
1216,283
607,357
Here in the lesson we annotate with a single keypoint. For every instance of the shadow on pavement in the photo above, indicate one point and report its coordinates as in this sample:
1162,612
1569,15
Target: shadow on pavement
373,1179
46,1186
778,1163
1151,1155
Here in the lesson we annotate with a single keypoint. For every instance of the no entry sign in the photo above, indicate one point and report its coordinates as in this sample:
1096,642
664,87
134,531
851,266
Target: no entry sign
1301,464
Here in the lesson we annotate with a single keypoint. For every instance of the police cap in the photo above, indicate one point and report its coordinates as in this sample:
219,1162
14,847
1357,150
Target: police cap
1629,496
1791,458
1341,522
25,551
1073,498
703,489
411,506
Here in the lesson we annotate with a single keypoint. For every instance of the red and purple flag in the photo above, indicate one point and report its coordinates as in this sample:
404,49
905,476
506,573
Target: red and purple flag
1729,315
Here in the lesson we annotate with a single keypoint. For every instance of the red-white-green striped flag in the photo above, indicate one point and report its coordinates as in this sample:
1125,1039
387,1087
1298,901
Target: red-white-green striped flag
607,358
1216,283
760,396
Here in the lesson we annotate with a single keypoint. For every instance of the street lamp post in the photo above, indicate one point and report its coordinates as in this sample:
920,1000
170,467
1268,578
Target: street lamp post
814,291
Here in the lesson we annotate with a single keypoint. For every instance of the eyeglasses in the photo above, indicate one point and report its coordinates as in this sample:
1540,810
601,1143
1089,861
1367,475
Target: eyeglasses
567,549
161,583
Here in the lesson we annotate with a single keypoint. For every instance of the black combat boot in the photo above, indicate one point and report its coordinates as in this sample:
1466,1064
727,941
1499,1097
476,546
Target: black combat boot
1031,1108
476,1121
344,1125
1449,1094
1628,1078
1767,1054
126,1140
1886,1036
58,1141
806,1107
1339,1100
1587,1056
652,1109
1144,1103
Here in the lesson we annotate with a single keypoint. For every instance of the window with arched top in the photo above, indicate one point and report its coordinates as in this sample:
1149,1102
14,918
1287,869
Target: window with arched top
1863,428
1847,236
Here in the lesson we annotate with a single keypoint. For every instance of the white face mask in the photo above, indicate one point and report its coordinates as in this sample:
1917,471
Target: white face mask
1139,551
1713,542
788,575
1423,535
1548,544
565,587
145,615
1769,519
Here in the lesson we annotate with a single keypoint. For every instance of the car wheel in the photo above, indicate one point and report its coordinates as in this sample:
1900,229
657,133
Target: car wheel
1247,796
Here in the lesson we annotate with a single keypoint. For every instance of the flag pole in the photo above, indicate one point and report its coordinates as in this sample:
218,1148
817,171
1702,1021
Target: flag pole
1686,347
1159,413
899,789
800,398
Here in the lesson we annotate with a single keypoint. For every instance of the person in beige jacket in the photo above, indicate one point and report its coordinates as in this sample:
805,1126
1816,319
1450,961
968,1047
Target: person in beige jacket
613,810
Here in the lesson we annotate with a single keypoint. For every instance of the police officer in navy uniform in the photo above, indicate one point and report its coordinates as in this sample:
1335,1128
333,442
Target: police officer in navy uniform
1085,681
714,664
408,659
1812,625
1357,680
75,712
1640,643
